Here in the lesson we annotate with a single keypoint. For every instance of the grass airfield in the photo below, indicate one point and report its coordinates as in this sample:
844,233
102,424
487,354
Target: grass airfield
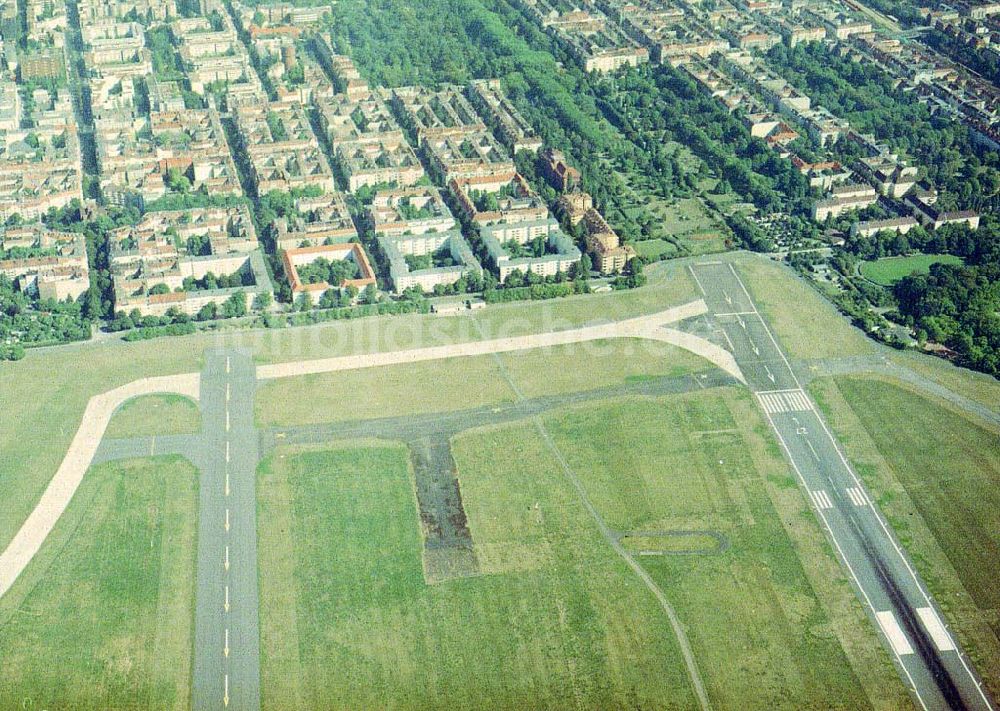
104,617
554,618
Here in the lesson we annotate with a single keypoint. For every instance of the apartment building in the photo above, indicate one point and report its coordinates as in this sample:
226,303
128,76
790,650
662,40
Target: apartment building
47,263
175,260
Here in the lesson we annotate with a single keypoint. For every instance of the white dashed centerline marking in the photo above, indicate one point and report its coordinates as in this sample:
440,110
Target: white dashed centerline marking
942,640
893,632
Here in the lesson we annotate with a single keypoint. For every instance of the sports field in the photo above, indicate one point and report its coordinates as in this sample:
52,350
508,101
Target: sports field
889,270
556,619
936,475
103,616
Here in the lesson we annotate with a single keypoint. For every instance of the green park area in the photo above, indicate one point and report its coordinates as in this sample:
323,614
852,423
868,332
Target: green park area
935,475
889,270
103,617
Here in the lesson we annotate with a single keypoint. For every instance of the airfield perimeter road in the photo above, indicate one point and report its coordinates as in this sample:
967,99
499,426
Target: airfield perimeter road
227,639
937,672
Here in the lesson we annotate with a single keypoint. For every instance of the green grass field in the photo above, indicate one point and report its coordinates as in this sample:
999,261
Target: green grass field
936,476
348,621
556,619
688,222
979,387
417,388
103,617
654,248
807,325
155,415
887,271
762,635
49,389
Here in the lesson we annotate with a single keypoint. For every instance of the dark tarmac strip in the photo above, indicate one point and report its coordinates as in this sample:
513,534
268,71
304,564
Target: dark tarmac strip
928,658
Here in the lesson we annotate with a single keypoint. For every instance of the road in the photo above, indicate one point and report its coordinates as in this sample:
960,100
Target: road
911,625
227,639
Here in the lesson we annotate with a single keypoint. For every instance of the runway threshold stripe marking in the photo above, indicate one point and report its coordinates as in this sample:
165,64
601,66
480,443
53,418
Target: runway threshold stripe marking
784,401
857,496
893,632
769,403
821,499
936,629
799,401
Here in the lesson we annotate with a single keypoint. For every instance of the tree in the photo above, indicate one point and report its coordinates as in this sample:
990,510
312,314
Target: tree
371,294
235,306
262,301
176,181
208,312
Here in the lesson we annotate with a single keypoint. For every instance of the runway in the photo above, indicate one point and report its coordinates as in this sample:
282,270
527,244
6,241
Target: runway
912,628
227,638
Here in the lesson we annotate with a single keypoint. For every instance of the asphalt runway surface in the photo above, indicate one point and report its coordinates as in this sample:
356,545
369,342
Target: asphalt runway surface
910,623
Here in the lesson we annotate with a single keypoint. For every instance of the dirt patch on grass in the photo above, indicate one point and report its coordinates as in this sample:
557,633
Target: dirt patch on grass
448,549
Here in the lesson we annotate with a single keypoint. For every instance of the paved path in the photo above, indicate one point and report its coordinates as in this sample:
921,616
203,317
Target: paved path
651,327
927,655
807,370
63,485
